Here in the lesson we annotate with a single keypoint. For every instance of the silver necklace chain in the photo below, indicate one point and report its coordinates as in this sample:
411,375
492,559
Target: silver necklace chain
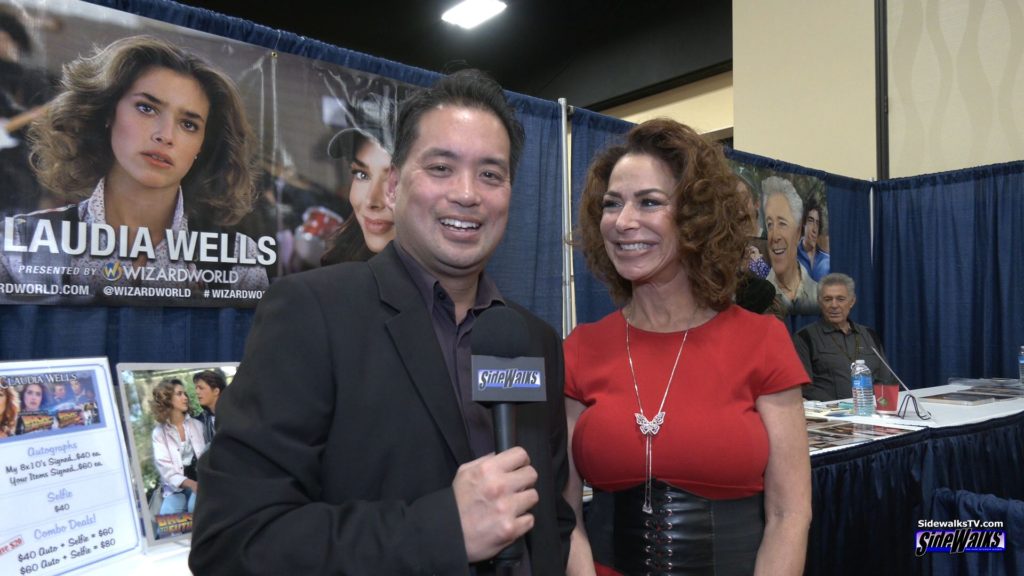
650,428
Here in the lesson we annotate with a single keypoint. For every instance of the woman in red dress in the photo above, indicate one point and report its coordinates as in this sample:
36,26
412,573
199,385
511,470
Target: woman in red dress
683,405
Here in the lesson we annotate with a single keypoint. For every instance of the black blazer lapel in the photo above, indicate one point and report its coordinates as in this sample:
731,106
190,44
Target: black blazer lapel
412,332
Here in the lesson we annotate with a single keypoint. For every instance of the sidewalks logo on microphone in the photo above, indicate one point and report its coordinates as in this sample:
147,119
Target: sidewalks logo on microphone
959,536
508,378
497,379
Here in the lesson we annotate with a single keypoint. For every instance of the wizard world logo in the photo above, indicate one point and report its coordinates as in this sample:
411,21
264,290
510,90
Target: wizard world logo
112,271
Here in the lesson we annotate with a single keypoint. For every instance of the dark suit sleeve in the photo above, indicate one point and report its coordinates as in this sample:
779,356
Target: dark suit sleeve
565,518
260,507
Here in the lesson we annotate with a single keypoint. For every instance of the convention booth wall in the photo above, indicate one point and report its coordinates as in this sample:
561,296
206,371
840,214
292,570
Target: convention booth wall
938,259
848,203
950,272
527,266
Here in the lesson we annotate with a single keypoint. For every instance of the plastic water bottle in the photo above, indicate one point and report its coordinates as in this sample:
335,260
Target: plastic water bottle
863,389
1020,363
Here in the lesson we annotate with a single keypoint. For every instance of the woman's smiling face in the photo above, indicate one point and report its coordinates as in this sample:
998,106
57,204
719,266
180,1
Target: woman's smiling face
783,233
370,169
638,219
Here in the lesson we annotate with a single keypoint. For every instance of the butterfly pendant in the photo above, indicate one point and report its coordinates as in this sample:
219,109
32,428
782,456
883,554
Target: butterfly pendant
649,427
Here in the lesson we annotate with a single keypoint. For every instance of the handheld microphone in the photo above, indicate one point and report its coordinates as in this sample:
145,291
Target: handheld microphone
503,375
922,412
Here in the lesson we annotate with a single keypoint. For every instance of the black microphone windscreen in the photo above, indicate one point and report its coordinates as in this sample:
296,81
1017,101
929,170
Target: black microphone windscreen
500,331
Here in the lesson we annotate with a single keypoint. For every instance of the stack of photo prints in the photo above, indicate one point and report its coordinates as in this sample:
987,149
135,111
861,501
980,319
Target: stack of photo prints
979,391
834,434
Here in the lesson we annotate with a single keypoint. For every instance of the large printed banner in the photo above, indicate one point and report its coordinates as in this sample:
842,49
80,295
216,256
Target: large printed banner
789,245
147,164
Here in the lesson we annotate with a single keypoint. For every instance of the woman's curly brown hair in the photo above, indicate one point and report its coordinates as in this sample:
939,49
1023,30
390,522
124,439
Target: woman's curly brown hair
71,147
711,214
162,402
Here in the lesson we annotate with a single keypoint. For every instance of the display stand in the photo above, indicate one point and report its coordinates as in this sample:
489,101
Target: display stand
66,497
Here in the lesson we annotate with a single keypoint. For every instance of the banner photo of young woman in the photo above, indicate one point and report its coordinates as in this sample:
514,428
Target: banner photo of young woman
170,411
148,164
788,252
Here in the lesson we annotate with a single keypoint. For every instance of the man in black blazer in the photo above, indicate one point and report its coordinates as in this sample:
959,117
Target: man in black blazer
348,443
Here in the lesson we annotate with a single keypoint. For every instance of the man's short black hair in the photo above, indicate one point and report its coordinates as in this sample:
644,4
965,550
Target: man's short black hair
12,25
213,378
467,88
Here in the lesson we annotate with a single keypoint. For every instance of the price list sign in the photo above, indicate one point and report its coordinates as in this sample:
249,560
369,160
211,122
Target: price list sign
66,490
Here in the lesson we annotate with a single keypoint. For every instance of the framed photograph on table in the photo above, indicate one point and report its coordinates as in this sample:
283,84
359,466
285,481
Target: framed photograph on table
170,414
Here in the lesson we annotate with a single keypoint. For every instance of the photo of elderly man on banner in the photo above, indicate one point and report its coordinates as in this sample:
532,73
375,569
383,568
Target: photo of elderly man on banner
183,169
789,243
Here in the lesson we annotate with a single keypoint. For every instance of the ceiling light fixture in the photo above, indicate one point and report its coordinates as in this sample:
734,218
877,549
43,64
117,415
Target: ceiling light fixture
471,13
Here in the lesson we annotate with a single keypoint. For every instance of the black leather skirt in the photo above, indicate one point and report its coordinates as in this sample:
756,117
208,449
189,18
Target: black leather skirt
685,533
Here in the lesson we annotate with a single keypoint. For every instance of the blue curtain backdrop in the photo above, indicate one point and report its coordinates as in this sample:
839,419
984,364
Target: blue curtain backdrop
528,264
591,133
956,504
951,272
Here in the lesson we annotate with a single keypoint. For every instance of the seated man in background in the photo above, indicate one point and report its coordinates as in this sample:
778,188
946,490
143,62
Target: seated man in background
830,345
